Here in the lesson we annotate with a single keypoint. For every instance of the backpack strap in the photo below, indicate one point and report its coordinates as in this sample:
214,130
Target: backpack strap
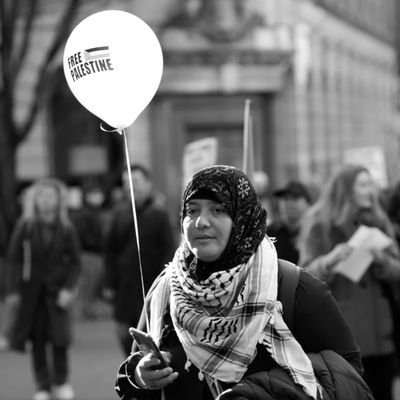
289,276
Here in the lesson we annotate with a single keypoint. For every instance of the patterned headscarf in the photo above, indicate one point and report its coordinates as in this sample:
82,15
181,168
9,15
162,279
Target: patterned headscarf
232,188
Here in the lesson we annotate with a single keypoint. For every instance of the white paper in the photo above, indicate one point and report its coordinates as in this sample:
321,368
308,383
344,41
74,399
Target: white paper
355,265
369,238
364,240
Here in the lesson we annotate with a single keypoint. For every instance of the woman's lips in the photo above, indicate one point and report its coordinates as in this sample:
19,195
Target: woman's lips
204,238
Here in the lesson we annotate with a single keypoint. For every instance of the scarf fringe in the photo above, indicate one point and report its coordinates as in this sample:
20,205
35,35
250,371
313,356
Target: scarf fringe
200,374
188,364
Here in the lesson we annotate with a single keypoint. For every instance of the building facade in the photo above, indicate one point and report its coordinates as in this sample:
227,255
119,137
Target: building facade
321,76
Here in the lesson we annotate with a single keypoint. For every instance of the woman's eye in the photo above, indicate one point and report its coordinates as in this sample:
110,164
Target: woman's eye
219,210
190,211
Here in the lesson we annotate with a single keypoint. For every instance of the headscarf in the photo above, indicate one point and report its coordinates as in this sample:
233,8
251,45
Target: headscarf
232,188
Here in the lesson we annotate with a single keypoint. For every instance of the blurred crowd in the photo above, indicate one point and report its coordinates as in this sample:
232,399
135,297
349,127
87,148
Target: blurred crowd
72,254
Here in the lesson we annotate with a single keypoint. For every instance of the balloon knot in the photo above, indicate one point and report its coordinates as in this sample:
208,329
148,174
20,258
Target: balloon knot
107,128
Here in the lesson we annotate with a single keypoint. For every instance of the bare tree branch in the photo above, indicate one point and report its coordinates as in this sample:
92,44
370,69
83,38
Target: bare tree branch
7,20
2,21
6,35
8,15
8,12
17,23
4,39
64,28
45,70
20,54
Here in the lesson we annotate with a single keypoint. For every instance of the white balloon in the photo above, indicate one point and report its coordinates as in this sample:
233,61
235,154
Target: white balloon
113,65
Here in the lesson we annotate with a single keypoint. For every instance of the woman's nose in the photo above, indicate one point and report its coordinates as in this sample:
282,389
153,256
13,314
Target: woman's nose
202,221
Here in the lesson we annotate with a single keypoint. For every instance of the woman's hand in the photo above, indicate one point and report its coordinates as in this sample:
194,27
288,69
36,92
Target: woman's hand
65,298
379,256
13,299
386,265
149,377
327,263
339,253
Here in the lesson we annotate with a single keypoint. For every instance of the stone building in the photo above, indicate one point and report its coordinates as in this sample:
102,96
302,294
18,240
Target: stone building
321,75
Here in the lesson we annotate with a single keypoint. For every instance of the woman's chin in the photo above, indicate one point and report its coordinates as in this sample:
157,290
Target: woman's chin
206,257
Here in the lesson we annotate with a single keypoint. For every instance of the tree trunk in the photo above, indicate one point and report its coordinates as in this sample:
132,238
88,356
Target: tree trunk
8,184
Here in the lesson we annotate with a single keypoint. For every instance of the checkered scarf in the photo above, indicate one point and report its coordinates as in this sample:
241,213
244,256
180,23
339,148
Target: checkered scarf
220,320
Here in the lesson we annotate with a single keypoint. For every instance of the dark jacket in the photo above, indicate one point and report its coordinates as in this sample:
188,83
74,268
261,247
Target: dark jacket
3,251
157,245
48,269
338,379
284,241
317,325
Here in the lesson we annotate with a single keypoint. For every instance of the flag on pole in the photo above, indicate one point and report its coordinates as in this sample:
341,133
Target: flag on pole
248,144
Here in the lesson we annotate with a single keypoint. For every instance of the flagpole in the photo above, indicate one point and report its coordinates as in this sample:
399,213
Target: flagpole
246,120
248,145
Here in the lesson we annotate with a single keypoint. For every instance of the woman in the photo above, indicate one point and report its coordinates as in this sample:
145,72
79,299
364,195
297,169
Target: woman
350,200
44,264
214,310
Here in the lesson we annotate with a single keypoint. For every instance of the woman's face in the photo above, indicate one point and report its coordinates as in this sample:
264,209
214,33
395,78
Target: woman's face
363,190
206,228
47,203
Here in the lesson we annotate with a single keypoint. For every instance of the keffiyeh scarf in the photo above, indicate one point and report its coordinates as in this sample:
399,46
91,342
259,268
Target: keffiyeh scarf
221,320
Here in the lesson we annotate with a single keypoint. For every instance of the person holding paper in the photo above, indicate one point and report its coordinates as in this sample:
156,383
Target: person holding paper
335,238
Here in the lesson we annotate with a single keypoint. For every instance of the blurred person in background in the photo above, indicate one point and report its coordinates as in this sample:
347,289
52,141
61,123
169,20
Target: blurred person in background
157,243
89,222
43,265
392,204
393,209
7,316
10,308
347,202
293,201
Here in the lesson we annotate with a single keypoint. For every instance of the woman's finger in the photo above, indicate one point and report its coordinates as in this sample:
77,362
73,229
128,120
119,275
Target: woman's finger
163,380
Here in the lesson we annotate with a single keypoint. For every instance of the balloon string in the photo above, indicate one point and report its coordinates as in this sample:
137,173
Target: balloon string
128,167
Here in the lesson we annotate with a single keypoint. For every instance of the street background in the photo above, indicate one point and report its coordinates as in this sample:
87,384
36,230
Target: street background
95,357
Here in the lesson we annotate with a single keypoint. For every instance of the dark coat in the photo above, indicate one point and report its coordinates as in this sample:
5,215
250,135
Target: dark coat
338,379
157,245
48,269
3,250
284,241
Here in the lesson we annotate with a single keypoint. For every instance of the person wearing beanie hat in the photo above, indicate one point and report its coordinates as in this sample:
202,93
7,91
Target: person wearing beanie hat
293,201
